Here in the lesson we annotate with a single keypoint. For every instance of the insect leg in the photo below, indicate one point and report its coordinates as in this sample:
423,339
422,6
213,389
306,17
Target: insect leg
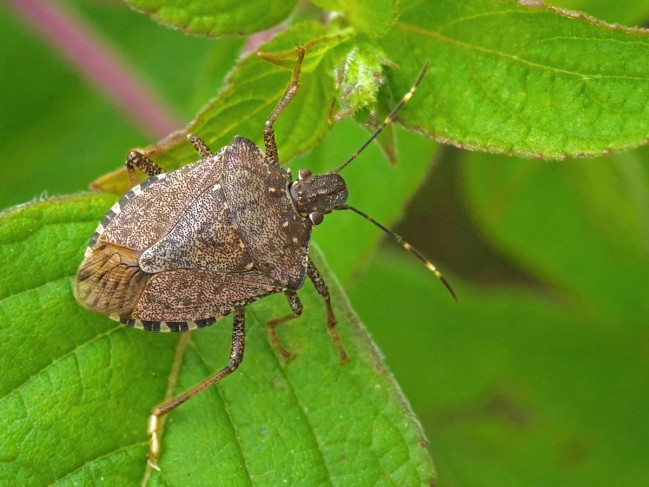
296,307
236,356
323,291
200,146
269,133
142,162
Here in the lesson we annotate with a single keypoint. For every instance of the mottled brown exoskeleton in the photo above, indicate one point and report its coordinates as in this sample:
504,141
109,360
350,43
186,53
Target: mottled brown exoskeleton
185,248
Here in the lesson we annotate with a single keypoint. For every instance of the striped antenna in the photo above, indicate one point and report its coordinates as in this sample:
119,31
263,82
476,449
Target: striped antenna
405,245
388,120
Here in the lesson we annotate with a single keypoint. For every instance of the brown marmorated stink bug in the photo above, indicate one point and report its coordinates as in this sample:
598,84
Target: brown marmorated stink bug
185,248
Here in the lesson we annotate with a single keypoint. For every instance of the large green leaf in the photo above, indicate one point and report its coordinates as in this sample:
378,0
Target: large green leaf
77,391
217,17
522,79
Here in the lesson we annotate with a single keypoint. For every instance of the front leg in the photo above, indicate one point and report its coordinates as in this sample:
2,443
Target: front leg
269,133
323,291
143,163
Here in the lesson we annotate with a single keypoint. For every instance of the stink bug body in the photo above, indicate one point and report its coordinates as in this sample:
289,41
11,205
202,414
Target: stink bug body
184,248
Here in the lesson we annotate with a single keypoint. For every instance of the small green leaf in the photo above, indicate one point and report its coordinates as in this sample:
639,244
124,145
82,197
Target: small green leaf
217,17
80,386
522,79
359,77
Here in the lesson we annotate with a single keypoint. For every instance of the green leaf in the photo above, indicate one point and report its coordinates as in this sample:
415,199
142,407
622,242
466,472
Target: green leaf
522,79
80,386
217,17
372,17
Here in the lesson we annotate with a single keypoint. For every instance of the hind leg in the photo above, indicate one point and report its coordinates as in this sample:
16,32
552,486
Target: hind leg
236,357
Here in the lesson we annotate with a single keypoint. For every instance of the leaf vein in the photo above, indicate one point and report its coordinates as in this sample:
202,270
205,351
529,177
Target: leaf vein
101,457
59,359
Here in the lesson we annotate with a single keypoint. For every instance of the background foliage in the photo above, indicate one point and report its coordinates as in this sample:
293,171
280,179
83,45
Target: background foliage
539,375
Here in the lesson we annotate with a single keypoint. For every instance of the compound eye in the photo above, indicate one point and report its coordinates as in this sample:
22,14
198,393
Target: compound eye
304,174
316,217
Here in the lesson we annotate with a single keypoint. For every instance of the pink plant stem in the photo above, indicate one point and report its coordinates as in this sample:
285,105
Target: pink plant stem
99,63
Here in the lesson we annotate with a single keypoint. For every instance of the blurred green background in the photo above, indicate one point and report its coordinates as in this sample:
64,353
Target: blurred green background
539,376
